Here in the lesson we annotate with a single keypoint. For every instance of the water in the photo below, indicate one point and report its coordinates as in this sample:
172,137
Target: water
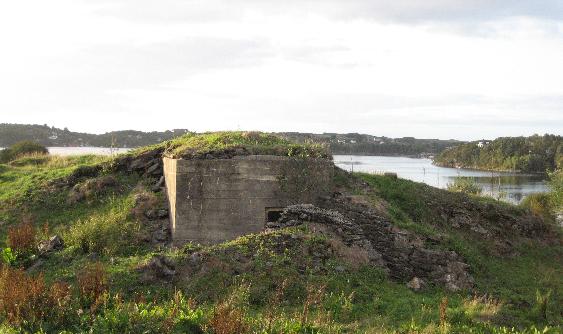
66,151
511,187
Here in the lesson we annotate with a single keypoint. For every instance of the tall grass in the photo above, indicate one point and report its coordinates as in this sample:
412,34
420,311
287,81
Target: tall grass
465,185
28,300
22,238
540,205
106,233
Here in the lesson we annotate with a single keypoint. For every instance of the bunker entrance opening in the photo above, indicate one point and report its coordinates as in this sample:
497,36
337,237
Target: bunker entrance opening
273,214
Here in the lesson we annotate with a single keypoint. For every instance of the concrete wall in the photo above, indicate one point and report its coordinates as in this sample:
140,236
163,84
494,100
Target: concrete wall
220,199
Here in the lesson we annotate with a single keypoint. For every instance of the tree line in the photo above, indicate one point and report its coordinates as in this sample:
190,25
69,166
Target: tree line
536,154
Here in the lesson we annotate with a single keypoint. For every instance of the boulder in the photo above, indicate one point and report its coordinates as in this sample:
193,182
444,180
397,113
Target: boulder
160,235
154,214
416,284
155,169
158,186
54,243
159,267
35,267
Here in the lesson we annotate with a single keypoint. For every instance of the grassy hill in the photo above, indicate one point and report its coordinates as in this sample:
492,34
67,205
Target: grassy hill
350,143
116,273
52,136
526,154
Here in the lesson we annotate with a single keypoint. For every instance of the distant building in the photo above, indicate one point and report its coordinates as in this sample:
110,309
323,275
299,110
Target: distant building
482,143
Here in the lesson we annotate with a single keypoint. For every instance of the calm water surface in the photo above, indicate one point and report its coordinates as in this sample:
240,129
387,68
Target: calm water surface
512,187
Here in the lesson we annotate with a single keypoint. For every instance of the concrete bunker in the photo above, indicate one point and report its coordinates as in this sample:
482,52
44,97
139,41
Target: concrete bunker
214,200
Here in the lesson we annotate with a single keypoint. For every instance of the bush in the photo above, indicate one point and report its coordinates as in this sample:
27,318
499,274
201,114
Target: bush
8,256
228,319
556,186
106,233
229,316
539,204
27,301
20,149
92,282
465,185
21,238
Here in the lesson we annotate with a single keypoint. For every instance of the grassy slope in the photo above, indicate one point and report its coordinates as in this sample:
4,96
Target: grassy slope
199,145
516,280
358,298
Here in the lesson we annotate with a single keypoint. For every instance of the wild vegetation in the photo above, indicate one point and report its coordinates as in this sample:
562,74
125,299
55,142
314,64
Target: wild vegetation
52,136
111,277
466,185
228,144
527,154
20,149
362,144
350,143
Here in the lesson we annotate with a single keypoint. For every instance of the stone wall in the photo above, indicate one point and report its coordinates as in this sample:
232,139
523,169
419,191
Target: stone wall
402,254
215,200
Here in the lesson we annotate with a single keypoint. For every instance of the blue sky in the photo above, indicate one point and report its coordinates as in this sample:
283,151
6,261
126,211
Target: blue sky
429,69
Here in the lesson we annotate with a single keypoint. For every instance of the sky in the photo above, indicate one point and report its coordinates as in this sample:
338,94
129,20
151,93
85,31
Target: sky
461,69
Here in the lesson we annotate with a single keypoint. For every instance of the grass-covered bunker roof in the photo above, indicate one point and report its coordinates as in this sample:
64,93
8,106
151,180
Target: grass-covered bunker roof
225,145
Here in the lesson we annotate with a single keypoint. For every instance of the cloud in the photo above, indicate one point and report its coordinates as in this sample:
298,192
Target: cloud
396,68
405,11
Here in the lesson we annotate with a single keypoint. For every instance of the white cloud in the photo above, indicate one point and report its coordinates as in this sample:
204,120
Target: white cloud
463,69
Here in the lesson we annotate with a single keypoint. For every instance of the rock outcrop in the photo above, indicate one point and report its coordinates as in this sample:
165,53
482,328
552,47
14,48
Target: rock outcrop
159,268
53,244
400,253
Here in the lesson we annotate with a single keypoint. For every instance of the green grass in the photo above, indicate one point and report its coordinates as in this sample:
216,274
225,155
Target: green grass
534,268
27,176
247,272
243,143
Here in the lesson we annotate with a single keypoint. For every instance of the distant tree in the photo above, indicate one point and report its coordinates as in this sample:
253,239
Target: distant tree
526,154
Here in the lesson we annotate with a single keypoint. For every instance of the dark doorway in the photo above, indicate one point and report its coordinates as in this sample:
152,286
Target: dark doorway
273,214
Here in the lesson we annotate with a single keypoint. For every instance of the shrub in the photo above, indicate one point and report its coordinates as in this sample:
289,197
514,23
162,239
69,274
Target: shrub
175,316
27,301
92,282
228,319
20,149
465,185
542,302
105,233
21,238
7,256
229,316
556,187
539,204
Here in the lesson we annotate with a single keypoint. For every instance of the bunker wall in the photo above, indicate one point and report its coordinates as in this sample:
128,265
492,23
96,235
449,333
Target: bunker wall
220,199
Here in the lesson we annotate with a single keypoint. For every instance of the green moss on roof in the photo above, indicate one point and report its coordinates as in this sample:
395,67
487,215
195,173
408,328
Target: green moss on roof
220,145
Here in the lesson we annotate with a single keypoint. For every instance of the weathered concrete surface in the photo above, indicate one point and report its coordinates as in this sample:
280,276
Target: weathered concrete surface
215,200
